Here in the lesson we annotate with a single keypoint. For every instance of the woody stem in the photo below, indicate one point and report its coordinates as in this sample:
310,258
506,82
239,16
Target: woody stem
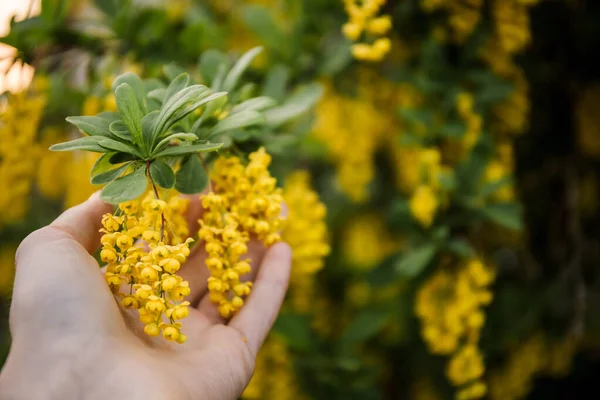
162,214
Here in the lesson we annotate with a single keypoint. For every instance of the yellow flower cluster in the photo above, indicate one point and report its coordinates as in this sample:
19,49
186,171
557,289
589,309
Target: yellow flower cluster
274,376
511,20
425,199
463,16
535,356
244,200
367,241
472,120
306,233
364,21
351,129
19,120
449,306
142,248
511,116
511,36
500,168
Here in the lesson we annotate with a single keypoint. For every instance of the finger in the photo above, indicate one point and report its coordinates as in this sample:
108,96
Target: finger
83,222
260,311
193,213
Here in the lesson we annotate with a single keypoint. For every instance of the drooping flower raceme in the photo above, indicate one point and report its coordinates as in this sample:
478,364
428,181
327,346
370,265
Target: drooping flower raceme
364,22
144,245
244,201
306,233
449,306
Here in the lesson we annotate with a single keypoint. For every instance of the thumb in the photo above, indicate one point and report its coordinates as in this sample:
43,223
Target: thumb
56,278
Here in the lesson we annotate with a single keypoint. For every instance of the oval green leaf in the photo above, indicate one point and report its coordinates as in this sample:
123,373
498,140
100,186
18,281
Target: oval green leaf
109,176
188,149
191,177
87,143
128,187
162,174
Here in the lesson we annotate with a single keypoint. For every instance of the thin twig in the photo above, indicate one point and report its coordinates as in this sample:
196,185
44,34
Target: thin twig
162,214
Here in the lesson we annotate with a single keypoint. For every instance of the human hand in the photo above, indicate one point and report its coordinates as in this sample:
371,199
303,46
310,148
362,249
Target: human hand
71,340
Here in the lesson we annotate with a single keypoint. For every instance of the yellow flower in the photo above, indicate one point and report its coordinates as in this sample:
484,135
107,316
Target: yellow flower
474,391
423,205
362,18
367,241
465,366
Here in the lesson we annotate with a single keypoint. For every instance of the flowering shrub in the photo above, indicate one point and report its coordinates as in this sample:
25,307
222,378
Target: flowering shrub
432,164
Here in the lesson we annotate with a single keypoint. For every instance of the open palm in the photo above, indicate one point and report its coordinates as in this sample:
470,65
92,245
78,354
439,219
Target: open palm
72,340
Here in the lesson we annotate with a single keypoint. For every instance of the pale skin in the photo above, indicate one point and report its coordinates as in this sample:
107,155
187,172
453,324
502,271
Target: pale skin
71,339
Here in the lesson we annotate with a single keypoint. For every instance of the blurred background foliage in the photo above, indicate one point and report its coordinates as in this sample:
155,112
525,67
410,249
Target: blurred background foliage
454,144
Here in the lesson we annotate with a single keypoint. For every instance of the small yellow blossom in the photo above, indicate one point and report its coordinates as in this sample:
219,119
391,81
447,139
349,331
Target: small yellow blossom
423,205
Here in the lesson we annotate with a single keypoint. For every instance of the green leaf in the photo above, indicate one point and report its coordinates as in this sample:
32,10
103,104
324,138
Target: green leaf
128,187
136,84
130,111
119,129
102,164
177,85
152,84
190,108
175,104
453,130
87,143
162,174
217,83
158,94
93,126
172,71
255,104
295,329
191,177
337,55
260,20
148,124
365,325
214,105
276,82
118,158
117,146
110,175
490,188
414,261
507,215
236,121
299,103
210,61
187,149
383,274
183,136
239,67
461,247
